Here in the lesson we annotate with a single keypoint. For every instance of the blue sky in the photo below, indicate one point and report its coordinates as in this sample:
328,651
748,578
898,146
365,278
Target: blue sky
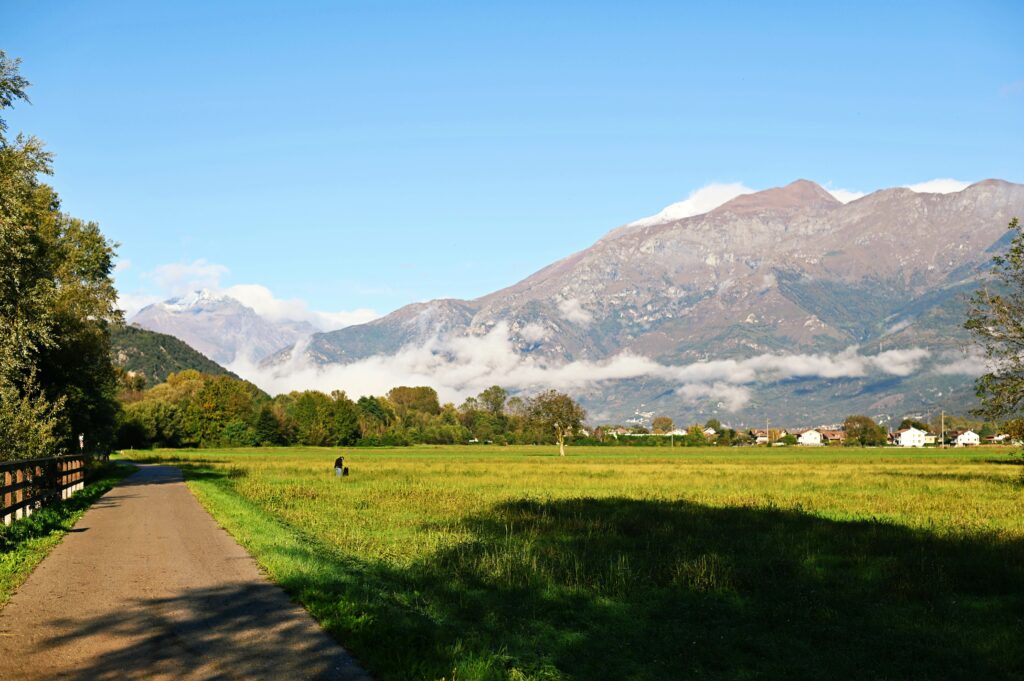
367,155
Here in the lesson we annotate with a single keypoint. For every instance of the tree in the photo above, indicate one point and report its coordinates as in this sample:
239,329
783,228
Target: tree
714,424
996,320
662,424
863,431
914,423
556,412
418,399
493,399
57,302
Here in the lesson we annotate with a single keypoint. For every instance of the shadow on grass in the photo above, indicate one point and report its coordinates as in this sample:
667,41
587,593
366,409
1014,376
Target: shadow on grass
642,589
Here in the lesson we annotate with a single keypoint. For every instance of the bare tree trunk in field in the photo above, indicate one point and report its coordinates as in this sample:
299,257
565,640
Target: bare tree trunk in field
561,445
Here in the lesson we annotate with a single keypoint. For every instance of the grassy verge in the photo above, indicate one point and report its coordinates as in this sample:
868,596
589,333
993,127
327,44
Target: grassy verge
25,543
513,564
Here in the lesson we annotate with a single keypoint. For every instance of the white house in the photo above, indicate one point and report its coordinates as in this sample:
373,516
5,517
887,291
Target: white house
968,438
809,438
910,437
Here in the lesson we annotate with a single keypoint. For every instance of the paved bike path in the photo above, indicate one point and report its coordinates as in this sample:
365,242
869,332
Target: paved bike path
147,586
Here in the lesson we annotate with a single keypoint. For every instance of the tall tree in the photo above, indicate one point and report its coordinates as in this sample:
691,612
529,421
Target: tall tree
493,399
996,320
556,412
57,302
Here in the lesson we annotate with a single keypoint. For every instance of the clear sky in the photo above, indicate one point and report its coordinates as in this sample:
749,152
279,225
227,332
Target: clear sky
367,155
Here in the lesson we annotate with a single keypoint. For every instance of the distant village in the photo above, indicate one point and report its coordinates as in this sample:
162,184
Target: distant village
911,435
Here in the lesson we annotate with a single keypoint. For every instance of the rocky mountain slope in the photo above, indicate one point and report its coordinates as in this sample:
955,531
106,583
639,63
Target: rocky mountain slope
786,270
220,327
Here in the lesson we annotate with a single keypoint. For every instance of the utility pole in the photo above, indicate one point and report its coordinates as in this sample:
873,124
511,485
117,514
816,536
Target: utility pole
942,427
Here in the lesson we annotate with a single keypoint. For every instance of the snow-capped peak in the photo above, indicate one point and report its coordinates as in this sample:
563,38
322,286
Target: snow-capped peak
191,300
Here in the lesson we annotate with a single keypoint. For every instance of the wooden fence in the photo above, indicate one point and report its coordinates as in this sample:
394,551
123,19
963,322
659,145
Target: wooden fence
29,485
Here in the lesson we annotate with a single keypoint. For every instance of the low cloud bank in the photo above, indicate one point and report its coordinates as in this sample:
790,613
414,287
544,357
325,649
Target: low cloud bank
262,300
463,366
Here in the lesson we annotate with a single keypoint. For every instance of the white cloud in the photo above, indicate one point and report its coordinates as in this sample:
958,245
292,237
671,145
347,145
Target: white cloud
845,195
533,333
465,365
970,363
700,201
572,310
942,185
263,301
731,397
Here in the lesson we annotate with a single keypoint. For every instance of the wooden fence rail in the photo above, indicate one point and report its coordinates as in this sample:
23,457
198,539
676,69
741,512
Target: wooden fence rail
31,484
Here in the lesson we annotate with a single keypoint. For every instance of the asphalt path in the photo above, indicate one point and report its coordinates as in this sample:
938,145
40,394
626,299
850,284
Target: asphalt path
148,586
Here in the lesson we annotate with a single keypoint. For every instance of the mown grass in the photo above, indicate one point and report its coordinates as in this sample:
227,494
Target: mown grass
24,543
512,563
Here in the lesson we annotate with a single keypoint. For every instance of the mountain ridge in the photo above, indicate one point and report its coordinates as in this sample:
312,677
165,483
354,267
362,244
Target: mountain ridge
788,269
220,326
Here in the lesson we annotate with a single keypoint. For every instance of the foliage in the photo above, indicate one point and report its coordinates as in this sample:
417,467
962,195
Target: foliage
496,563
57,303
28,424
863,431
556,412
662,424
996,320
914,423
153,356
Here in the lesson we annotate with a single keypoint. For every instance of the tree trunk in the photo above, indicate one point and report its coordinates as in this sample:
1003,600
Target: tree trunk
561,445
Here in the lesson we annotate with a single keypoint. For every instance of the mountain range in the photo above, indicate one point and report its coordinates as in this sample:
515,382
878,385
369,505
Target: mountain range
788,270
787,301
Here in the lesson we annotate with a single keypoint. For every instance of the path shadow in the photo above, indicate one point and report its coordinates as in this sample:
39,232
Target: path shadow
240,631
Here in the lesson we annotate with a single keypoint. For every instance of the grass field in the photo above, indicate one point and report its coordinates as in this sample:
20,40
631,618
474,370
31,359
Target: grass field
513,563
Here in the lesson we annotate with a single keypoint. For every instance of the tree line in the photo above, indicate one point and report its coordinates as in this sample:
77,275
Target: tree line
193,409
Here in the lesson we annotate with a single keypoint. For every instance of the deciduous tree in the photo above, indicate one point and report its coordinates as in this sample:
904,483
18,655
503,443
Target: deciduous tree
863,431
556,412
662,424
996,320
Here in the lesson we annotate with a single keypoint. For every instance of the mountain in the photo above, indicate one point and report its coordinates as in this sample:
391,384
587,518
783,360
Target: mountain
156,354
786,270
220,327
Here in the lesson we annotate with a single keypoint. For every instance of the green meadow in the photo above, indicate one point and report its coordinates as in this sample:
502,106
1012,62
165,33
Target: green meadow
513,563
